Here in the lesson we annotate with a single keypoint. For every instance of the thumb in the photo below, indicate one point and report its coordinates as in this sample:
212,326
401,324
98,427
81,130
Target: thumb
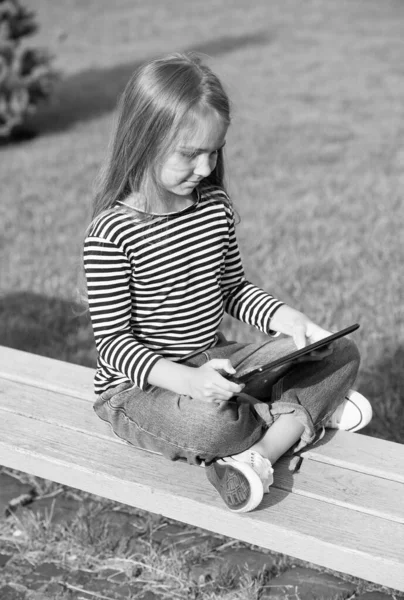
299,336
222,364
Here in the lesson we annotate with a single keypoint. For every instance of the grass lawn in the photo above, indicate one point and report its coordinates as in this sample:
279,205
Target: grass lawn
315,166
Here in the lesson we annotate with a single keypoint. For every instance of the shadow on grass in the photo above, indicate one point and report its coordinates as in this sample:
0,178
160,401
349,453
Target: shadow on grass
90,93
47,326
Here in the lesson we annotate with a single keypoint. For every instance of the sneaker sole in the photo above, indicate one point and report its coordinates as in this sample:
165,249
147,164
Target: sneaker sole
232,482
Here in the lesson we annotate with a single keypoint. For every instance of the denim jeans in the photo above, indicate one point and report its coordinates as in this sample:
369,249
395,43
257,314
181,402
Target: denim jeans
180,427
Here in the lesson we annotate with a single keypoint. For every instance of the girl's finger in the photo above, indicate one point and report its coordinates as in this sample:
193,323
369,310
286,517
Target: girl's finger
315,333
299,337
216,397
228,388
222,364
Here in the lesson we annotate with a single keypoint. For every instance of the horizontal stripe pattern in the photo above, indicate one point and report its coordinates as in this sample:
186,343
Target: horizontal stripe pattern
159,288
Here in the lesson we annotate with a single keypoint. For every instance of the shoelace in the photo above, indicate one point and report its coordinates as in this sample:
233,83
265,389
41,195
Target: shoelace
262,466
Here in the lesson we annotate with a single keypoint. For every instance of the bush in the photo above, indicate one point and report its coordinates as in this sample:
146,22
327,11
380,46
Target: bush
26,75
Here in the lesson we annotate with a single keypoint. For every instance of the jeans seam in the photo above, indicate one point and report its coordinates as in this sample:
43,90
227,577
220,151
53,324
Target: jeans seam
113,430
142,429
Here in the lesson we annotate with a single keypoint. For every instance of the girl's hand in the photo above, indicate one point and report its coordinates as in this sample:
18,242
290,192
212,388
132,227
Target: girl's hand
305,332
291,322
206,383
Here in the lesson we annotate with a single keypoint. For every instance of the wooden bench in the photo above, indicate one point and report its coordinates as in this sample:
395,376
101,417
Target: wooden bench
343,510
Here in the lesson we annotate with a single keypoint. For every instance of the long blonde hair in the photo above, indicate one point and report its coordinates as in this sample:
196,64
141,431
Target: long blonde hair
160,97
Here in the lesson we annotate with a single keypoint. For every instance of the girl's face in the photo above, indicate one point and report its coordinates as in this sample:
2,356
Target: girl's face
194,156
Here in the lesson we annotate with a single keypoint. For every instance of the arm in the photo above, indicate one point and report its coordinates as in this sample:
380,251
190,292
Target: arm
108,270
242,299
202,383
250,304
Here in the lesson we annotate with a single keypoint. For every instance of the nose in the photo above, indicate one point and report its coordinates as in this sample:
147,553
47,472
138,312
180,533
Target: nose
205,165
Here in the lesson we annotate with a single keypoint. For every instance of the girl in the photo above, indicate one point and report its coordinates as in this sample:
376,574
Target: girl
162,265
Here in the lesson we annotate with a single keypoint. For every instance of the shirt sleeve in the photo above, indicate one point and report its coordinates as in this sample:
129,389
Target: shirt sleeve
242,299
108,272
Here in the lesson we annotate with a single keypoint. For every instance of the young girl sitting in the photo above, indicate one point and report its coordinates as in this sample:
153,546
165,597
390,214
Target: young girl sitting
162,265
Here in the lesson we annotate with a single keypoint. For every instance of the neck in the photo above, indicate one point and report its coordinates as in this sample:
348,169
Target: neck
175,203
171,203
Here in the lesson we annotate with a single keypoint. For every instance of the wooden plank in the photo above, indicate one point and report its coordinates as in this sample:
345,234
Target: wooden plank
344,487
323,481
352,451
53,407
332,536
362,453
343,542
47,373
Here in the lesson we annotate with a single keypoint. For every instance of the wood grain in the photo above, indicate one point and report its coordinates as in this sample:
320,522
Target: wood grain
360,453
47,373
344,487
320,480
329,535
352,451
343,510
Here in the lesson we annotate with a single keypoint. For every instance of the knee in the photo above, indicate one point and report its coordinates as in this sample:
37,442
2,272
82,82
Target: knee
220,428
226,426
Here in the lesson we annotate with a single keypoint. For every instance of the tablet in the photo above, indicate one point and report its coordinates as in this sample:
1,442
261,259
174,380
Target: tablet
291,357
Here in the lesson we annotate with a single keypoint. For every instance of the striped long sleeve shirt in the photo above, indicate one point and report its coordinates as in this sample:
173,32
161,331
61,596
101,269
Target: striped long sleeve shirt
159,288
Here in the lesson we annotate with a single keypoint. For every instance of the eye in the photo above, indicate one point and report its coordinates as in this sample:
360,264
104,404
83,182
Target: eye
188,155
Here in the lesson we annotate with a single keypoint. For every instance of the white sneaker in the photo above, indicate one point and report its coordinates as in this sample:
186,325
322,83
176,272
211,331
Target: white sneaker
262,466
241,480
354,413
237,483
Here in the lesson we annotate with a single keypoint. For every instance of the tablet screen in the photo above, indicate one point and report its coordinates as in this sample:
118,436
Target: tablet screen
293,355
